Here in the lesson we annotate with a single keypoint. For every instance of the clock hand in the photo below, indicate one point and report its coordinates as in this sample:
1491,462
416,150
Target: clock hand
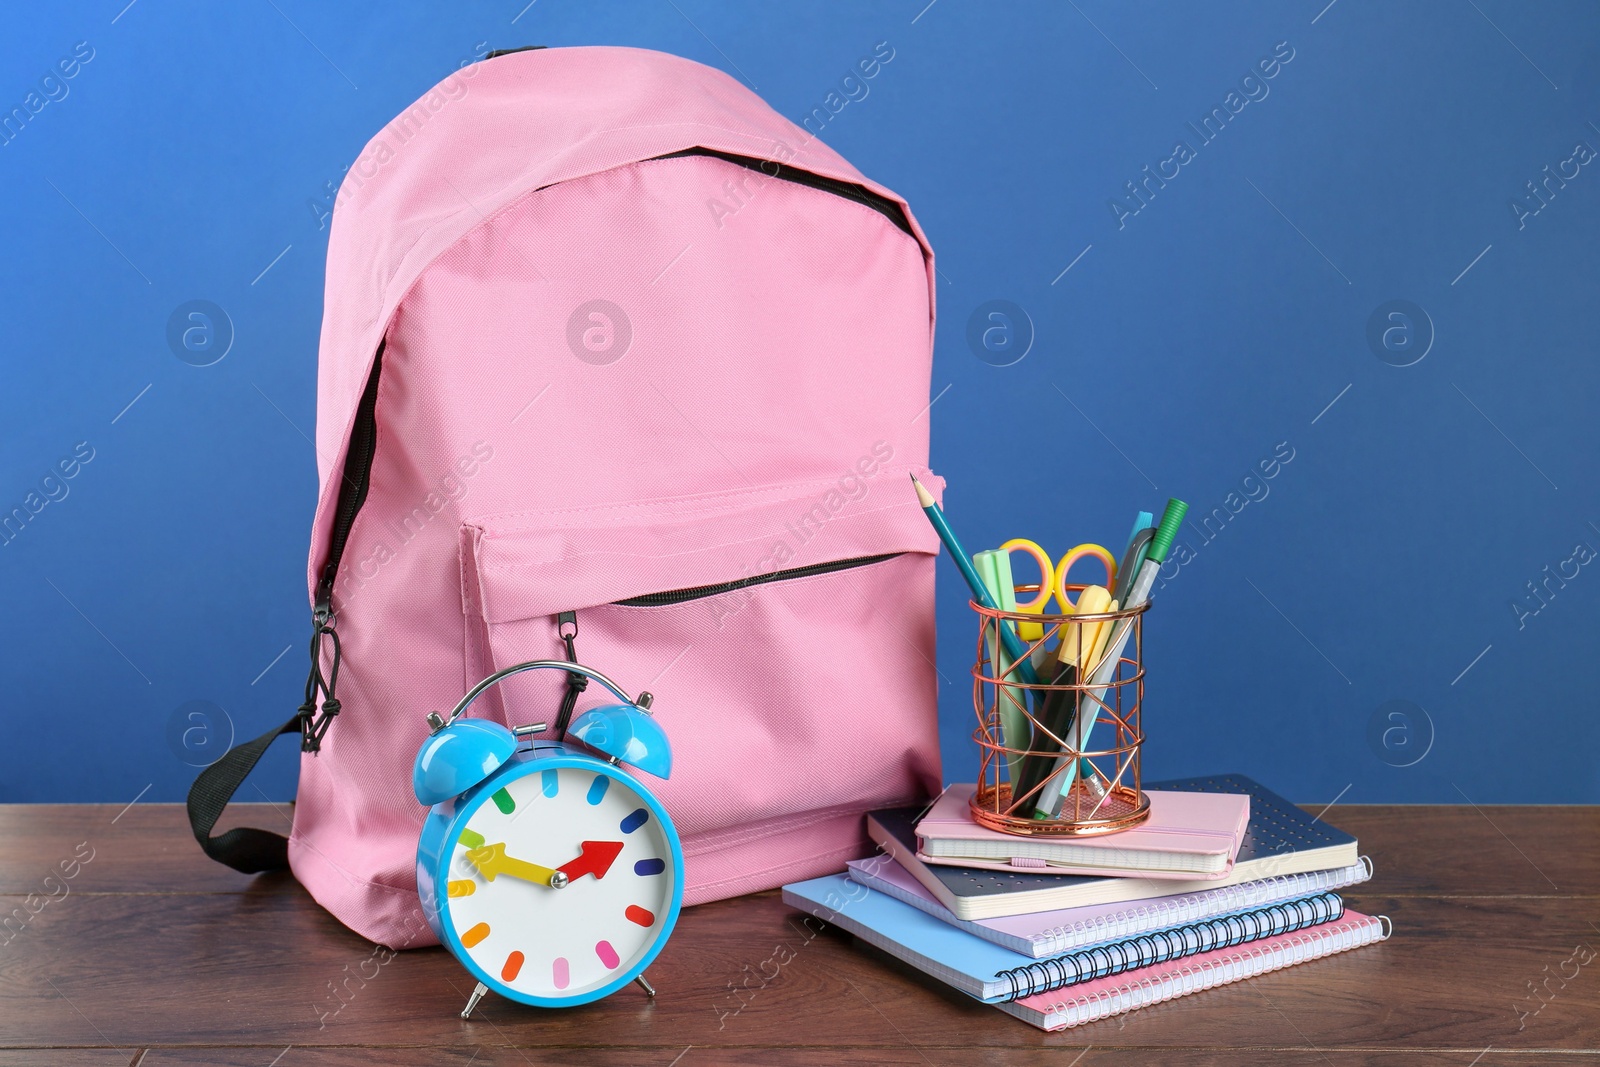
491,860
595,857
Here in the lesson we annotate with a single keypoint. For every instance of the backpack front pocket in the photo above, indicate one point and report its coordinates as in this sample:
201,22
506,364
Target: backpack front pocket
786,634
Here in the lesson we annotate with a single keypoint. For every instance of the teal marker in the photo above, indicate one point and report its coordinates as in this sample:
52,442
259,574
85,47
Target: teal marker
1008,636
1133,557
1144,521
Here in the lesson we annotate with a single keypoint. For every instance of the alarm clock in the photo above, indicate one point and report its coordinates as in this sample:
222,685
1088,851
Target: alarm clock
545,866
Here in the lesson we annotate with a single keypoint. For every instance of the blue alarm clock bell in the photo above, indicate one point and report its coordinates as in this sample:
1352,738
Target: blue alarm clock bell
551,872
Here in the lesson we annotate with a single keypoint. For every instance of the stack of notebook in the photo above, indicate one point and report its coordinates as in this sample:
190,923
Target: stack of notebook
1226,880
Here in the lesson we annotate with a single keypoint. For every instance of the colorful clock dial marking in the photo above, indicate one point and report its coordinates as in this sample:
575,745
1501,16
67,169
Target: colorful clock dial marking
607,954
549,783
503,801
639,817
598,787
513,967
639,915
650,866
475,935
470,839
560,972
461,887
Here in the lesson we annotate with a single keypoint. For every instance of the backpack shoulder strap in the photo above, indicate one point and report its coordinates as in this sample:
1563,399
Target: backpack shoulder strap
247,848
243,848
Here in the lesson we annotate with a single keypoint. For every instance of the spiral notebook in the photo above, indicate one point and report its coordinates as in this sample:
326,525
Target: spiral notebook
1105,997
1051,933
993,974
1280,839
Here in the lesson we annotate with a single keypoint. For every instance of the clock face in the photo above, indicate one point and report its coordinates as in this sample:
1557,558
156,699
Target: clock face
560,881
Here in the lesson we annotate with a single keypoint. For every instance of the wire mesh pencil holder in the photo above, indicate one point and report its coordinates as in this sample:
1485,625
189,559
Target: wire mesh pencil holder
1069,745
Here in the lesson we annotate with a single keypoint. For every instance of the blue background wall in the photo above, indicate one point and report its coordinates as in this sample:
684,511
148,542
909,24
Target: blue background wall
156,609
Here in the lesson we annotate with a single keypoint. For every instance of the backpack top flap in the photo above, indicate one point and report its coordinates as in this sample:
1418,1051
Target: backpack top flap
484,137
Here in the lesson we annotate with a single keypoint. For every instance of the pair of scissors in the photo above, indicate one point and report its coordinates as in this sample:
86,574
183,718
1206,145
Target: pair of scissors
1053,580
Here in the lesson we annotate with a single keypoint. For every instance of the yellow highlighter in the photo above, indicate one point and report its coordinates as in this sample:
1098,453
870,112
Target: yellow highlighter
1055,718
1082,646
1085,640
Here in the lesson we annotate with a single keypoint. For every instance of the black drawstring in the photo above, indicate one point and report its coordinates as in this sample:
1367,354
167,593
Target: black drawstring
318,687
567,630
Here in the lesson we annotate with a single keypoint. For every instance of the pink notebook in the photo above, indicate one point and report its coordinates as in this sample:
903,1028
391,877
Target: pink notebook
1130,990
1188,835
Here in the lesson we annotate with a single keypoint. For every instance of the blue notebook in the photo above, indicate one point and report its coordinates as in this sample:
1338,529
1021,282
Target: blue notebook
994,974
1040,934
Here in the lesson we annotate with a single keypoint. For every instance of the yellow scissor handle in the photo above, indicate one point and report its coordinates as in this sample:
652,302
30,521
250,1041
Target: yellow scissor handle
1059,585
1032,631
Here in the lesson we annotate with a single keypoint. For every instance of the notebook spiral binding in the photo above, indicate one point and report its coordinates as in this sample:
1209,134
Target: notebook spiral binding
1161,946
1229,898
1248,962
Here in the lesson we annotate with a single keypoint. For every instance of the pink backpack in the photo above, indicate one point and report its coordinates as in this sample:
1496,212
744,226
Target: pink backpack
617,364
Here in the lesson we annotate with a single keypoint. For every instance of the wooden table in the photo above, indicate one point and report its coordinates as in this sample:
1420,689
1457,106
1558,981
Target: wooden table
155,956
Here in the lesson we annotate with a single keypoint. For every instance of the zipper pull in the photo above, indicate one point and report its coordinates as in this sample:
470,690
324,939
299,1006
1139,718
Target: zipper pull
320,687
567,631
322,612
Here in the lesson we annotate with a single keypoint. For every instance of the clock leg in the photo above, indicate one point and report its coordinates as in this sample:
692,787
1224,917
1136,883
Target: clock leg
649,990
472,1001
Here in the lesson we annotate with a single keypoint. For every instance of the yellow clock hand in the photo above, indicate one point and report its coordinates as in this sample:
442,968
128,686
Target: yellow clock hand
491,860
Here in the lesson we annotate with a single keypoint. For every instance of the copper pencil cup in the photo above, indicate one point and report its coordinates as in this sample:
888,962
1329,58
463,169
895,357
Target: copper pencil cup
1094,751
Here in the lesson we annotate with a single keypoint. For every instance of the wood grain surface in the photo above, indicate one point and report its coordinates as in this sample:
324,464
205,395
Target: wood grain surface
156,956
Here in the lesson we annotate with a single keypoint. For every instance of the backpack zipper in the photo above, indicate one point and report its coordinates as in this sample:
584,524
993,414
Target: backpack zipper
849,190
567,621
321,706
701,592
356,480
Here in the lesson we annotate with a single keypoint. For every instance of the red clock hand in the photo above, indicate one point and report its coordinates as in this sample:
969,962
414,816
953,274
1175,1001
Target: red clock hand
595,857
